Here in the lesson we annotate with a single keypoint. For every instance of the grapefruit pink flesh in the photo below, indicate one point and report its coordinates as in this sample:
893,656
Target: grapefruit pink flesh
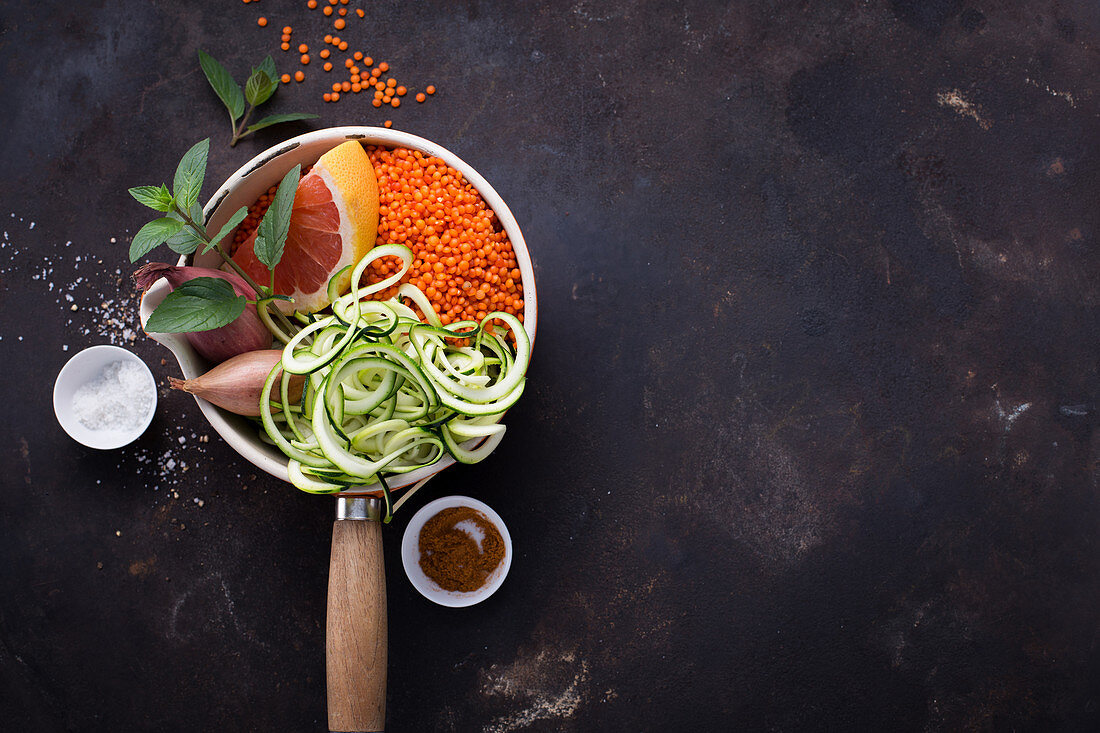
312,247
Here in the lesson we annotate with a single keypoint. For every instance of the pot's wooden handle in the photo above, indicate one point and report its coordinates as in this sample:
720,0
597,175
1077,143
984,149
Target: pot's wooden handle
356,631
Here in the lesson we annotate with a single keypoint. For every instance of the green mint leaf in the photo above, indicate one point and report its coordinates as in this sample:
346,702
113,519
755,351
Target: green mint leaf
237,218
224,85
201,304
271,234
268,67
190,173
151,236
157,198
276,119
185,241
259,87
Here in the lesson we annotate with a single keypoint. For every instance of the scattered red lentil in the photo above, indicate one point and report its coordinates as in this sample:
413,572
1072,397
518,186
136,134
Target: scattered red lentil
388,123
389,91
299,75
261,21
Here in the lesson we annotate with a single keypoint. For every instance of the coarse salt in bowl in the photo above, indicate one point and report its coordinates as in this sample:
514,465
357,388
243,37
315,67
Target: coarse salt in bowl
105,397
410,554
242,189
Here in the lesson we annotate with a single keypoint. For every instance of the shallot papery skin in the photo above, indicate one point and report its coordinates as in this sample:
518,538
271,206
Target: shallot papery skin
236,384
247,333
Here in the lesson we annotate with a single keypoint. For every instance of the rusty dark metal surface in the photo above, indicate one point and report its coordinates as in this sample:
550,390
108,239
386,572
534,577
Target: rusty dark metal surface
811,436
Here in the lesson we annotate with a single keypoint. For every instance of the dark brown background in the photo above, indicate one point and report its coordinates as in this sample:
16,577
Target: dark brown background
810,439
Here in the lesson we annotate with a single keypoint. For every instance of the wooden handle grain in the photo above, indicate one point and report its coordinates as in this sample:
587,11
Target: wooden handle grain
356,630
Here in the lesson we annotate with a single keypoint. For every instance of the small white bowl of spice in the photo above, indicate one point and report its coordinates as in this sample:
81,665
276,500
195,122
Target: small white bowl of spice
456,551
105,397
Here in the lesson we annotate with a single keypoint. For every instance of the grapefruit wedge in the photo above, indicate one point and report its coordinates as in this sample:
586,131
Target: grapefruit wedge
333,223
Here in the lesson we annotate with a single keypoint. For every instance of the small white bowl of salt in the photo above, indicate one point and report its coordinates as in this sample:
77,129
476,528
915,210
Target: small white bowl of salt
105,397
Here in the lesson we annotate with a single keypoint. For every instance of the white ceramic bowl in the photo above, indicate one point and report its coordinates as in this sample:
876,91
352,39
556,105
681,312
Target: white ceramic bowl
242,189
410,554
83,368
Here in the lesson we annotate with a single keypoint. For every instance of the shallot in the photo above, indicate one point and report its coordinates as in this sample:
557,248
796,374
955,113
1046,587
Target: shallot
246,333
236,384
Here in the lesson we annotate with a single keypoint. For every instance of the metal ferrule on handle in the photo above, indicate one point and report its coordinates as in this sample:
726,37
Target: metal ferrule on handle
359,508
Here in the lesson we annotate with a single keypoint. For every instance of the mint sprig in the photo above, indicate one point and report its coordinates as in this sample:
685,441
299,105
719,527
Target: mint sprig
183,230
260,86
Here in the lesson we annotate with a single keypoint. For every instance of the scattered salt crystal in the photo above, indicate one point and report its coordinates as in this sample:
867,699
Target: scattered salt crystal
117,399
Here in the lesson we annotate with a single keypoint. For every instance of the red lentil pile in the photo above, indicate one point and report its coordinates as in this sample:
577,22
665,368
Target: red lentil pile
463,260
